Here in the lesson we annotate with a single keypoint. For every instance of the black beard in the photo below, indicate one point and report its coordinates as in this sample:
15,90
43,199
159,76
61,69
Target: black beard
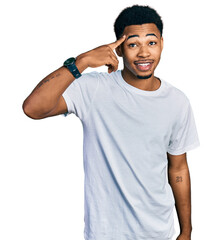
144,77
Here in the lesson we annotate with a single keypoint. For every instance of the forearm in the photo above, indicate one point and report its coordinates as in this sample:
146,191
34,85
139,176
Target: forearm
180,183
46,94
45,100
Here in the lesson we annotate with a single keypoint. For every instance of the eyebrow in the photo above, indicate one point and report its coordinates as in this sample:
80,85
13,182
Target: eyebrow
149,34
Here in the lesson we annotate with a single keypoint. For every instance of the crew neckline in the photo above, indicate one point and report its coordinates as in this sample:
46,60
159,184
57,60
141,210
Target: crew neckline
137,90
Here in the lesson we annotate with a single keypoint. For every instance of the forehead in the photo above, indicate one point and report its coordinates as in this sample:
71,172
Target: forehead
141,30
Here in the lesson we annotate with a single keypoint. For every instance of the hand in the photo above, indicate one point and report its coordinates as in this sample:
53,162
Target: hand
103,55
183,237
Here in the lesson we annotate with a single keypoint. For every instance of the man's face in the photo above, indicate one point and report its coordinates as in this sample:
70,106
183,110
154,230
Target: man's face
141,50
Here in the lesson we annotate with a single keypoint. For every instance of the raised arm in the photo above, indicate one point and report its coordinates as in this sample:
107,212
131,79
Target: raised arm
46,99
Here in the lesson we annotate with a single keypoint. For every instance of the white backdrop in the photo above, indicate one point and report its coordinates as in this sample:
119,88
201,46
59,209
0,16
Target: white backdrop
41,164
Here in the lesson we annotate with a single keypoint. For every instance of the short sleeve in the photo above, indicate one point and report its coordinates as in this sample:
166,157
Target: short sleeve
80,93
184,135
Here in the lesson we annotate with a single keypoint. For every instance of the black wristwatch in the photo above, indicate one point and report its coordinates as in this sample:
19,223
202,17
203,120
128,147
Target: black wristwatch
70,64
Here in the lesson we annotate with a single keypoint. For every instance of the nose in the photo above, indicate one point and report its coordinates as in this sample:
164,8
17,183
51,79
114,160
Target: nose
144,52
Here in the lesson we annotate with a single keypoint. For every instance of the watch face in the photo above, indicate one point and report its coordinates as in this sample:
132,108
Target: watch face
69,61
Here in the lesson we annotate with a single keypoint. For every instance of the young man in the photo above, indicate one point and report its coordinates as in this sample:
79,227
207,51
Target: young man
137,130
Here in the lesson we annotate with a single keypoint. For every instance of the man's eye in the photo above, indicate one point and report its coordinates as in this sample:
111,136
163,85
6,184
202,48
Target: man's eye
132,45
152,43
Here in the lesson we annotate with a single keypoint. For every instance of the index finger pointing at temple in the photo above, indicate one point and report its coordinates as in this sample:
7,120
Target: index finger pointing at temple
118,42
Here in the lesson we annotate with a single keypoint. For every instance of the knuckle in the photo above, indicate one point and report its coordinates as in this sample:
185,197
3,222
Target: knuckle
108,47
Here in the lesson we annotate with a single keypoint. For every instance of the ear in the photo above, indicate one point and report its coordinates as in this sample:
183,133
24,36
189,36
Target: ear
161,43
119,51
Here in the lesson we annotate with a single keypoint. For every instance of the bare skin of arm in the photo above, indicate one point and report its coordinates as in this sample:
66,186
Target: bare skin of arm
179,179
46,99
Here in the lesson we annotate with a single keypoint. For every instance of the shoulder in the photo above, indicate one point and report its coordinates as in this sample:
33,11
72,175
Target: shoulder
92,81
175,95
100,78
87,80
95,76
91,76
103,75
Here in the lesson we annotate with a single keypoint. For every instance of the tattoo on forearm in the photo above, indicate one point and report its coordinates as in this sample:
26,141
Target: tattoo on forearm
179,179
47,80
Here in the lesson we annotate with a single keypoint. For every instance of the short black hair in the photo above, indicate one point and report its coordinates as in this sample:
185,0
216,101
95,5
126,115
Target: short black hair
137,15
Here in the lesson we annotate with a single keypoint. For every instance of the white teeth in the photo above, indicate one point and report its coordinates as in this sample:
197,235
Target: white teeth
144,64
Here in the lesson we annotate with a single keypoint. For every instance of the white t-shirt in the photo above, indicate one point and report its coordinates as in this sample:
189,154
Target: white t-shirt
127,134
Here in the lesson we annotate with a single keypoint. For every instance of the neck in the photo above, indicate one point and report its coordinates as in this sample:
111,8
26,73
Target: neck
148,84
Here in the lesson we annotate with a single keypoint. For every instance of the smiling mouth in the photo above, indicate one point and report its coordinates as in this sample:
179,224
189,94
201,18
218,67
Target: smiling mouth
143,66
